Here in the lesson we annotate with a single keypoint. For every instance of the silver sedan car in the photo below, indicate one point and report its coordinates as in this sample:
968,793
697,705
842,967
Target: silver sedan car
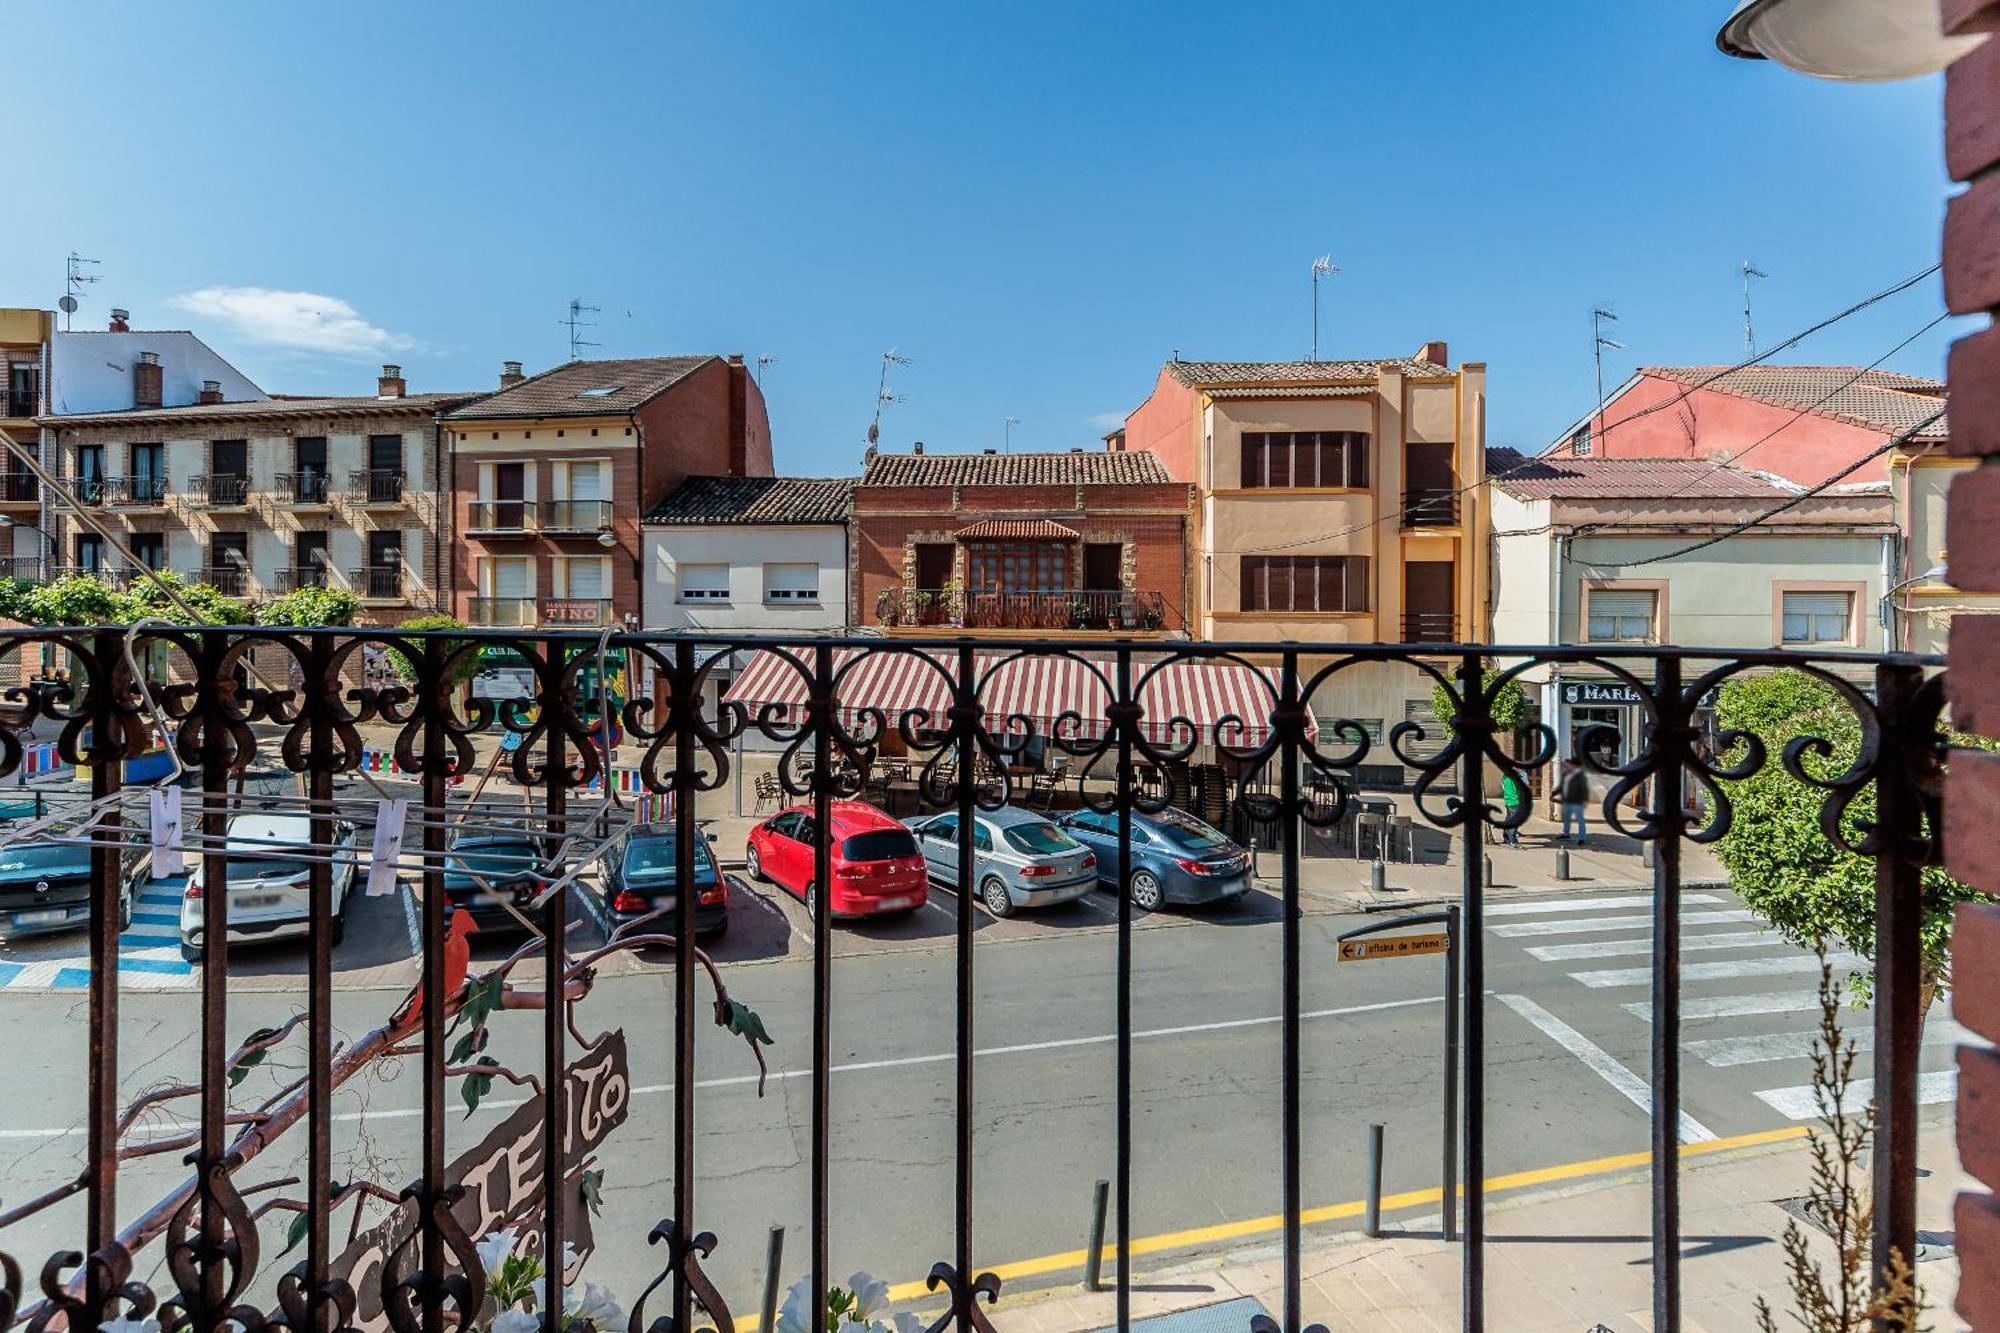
1018,859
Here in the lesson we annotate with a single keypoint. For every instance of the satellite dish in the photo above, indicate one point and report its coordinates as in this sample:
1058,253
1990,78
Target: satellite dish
67,305
874,434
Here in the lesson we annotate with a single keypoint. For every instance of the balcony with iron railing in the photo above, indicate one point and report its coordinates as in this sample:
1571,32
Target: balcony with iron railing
371,1130
378,583
500,518
587,516
1430,627
231,580
291,578
90,489
1430,507
219,490
146,490
22,567
1124,611
20,488
376,486
302,489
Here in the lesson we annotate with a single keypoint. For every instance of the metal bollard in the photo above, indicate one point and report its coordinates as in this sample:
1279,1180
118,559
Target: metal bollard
1093,1263
1646,851
1488,858
1377,876
1562,863
773,1264
1371,1221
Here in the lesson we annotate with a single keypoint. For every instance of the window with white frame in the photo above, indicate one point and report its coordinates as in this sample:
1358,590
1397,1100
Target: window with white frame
583,578
586,480
704,583
1816,617
791,581
1580,443
1620,615
506,576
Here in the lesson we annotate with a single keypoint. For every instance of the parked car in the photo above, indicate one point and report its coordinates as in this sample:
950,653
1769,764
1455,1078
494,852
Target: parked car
1019,859
876,866
1176,858
638,878
268,888
46,887
487,870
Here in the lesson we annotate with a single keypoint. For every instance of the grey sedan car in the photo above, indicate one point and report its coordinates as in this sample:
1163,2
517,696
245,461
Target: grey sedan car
1018,859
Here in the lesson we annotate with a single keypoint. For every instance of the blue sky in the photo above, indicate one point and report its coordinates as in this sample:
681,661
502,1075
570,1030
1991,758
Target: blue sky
1036,204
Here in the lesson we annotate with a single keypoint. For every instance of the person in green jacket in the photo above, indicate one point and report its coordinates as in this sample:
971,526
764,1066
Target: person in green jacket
1514,796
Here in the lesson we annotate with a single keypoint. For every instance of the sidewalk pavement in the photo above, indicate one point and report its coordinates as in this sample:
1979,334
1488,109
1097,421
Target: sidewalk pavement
1569,1261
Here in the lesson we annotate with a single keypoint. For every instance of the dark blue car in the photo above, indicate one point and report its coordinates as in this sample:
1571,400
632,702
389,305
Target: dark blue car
1176,858
639,879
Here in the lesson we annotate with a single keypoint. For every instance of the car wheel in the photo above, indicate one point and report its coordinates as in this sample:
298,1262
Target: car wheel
190,953
339,931
752,867
998,901
812,903
125,914
718,930
1147,894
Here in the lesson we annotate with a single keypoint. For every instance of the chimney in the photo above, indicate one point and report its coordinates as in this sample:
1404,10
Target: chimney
391,384
739,417
1434,352
989,451
211,391
918,448
118,320
146,380
510,374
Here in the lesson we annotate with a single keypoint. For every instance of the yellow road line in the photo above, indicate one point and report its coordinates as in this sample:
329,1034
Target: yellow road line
1257,1226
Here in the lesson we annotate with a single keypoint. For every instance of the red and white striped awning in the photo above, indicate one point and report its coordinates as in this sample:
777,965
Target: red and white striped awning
1040,689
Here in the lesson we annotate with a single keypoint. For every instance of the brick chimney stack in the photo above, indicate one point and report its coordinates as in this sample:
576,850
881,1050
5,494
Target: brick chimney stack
119,320
211,392
1437,353
147,382
510,374
739,416
391,384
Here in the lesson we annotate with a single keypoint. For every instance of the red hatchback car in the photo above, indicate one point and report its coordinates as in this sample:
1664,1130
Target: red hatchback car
877,866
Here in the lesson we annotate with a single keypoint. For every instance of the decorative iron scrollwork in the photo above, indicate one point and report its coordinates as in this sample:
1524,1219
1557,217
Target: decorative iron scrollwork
684,1256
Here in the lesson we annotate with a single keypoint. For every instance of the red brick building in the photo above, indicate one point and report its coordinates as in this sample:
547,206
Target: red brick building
1078,542
550,476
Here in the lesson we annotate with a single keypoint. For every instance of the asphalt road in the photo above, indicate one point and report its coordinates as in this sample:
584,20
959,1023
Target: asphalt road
1566,1059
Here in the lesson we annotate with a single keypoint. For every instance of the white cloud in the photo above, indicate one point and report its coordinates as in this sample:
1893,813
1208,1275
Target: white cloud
301,321
1108,420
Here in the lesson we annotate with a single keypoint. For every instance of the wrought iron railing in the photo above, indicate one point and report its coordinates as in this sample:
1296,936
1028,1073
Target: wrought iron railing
378,583
302,488
1114,610
231,580
1430,507
142,489
376,486
290,578
1430,627
220,490
244,1242
20,488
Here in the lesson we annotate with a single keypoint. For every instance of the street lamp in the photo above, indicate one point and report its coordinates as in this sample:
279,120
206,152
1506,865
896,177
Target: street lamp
1858,41
1934,572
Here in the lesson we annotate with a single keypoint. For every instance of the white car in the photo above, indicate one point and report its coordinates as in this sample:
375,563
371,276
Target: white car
269,897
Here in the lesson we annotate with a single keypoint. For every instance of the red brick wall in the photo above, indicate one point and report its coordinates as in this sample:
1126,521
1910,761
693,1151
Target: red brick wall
1153,519
686,431
1972,517
624,524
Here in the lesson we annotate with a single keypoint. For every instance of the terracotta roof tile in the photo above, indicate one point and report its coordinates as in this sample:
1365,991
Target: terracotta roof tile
1567,478
1043,528
756,500
585,389
1080,468
1876,400
1296,372
426,403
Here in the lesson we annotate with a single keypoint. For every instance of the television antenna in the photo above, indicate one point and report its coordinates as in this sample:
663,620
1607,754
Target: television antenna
1007,425
576,322
1750,271
883,394
1323,267
1599,317
764,359
73,278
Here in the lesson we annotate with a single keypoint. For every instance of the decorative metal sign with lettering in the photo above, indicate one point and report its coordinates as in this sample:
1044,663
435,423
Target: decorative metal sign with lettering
1600,692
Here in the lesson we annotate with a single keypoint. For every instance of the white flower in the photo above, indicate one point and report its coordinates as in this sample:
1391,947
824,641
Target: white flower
517,1321
796,1316
907,1322
869,1292
495,1249
595,1306
129,1325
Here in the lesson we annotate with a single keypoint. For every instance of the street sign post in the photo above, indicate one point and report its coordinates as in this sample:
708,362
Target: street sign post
1365,943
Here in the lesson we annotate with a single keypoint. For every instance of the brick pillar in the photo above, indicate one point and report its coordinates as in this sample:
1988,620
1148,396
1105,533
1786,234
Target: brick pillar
1972,518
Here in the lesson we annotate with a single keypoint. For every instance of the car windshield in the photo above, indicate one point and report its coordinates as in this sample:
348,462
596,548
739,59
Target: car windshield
653,858
889,844
1191,833
45,860
492,857
1039,839
265,867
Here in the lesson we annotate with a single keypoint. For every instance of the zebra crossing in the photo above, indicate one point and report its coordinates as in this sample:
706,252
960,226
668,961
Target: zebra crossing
149,952
1752,1018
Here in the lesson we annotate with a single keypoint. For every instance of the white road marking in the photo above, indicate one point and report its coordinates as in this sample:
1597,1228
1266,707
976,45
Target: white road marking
1600,1062
1735,939
1740,967
165,1127
1800,1103
1723,1052
1588,904
410,921
1579,927
1734,1006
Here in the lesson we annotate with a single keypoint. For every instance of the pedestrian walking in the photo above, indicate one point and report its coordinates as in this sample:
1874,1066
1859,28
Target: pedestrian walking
1575,795
1514,796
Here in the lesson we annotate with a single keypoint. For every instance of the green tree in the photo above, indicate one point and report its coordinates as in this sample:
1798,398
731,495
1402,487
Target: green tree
463,670
1813,892
210,606
75,599
1512,708
308,607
